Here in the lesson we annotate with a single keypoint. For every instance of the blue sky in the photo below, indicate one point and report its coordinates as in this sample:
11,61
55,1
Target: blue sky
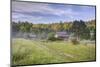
50,13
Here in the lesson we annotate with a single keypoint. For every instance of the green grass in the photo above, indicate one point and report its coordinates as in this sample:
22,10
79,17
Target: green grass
42,52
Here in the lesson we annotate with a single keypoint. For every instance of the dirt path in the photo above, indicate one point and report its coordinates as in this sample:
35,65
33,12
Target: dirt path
55,51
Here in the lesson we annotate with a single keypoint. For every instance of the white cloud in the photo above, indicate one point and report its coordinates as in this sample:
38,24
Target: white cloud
41,8
16,16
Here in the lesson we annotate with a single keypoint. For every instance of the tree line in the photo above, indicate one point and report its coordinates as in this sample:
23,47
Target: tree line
80,29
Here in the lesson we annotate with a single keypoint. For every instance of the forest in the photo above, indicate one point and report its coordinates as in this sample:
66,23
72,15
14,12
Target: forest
81,29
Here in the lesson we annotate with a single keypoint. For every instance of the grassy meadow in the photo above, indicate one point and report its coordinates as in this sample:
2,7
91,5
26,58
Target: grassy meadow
25,51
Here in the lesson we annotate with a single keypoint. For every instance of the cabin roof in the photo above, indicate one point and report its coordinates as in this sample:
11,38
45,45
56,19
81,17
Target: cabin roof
62,33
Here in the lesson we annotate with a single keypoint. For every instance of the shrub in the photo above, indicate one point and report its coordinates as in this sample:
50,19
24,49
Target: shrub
54,39
75,41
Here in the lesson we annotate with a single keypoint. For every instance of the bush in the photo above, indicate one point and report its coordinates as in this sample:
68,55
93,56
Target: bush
54,39
75,41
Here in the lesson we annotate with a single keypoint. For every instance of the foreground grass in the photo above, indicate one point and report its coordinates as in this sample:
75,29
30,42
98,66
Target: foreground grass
42,52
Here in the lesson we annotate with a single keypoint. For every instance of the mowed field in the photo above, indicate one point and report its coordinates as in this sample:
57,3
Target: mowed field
26,51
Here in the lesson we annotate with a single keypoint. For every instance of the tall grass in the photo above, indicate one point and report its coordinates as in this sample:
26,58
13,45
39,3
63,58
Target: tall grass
41,52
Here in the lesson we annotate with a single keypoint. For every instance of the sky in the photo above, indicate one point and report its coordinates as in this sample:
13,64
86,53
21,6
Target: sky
50,12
